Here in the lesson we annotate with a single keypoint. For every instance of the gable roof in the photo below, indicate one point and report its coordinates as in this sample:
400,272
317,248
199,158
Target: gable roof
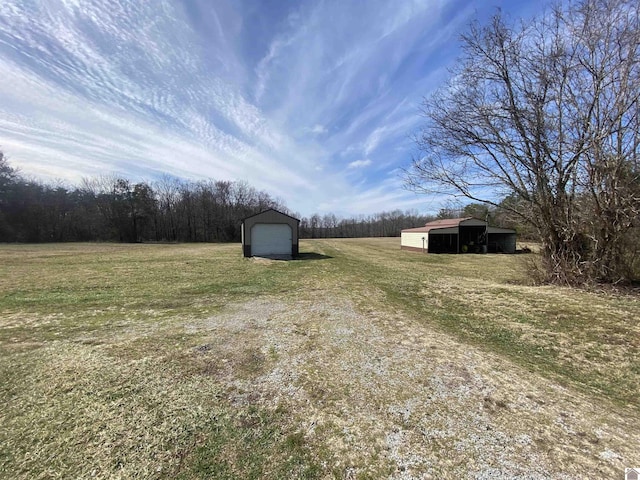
448,222
270,210
420,229
437,224
448,225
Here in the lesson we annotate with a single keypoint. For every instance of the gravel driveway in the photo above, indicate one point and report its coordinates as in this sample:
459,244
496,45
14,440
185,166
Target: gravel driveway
386,396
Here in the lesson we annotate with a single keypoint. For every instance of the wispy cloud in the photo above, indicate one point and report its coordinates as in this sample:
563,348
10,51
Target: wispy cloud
318,129
289,98
360,163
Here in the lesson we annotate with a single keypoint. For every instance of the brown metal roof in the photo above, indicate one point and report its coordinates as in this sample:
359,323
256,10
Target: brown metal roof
417,229
444,223
454,223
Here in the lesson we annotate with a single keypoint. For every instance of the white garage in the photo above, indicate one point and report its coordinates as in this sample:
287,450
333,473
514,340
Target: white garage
270,233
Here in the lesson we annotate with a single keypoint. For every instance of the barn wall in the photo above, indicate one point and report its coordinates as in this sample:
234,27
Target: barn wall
413,240
502,242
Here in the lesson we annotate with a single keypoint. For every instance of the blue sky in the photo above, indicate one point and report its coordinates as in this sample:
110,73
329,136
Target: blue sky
313,101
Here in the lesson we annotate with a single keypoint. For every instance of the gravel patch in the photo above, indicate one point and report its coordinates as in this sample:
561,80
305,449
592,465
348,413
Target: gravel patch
390,397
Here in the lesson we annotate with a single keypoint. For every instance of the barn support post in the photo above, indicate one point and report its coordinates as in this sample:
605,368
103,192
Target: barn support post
486,234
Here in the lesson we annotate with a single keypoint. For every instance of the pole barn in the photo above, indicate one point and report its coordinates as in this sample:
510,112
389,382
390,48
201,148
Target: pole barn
459,235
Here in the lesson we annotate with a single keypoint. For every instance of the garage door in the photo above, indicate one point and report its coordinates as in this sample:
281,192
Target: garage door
271,239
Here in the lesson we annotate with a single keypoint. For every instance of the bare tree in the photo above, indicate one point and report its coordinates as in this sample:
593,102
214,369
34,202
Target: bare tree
547,113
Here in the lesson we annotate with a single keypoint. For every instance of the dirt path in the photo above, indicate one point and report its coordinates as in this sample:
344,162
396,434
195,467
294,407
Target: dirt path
383,395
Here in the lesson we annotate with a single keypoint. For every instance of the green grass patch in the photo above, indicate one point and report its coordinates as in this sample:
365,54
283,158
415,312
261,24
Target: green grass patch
586,339
252,445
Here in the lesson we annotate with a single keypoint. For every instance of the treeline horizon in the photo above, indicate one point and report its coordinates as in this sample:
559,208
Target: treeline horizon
112,208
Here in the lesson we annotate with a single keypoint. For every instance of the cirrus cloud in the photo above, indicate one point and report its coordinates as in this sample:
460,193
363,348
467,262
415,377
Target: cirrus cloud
359,163
311,101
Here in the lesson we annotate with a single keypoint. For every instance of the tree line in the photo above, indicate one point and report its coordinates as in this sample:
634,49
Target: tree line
113,208
391,224
384,224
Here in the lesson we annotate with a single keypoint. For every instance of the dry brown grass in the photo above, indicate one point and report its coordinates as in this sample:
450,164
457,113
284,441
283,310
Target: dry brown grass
188,361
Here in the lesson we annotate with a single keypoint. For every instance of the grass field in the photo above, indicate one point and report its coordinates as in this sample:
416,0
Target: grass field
356,361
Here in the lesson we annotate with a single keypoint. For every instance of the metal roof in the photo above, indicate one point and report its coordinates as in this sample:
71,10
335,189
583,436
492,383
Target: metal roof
424,229
270,210
436,224
448,222
453,223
